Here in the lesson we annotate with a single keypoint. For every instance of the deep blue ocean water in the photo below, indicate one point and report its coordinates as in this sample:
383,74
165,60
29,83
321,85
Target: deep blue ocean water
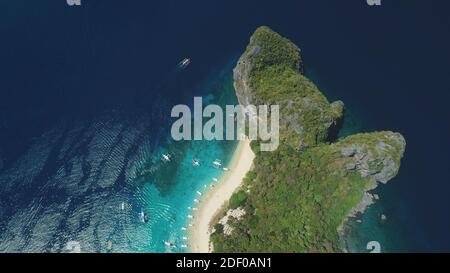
86,93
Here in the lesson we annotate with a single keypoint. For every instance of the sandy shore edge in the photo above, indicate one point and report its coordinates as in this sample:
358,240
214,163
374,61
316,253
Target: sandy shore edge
216,197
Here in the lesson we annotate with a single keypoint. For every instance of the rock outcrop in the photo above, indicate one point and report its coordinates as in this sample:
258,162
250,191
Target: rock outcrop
261,77
374,155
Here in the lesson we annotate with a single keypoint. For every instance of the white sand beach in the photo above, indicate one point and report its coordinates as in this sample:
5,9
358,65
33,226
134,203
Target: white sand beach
215,198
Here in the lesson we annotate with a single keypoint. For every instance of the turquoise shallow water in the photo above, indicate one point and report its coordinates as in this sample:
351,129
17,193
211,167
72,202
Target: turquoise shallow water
171,194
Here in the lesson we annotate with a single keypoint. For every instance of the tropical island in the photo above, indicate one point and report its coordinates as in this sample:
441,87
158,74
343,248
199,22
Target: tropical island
298,198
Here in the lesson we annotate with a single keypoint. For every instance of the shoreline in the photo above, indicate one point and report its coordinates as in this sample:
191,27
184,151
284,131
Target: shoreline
214,200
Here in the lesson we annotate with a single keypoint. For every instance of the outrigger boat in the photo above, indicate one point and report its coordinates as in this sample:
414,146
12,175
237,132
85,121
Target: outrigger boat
184,63
196,162
165,157
217,163
169,244
143,217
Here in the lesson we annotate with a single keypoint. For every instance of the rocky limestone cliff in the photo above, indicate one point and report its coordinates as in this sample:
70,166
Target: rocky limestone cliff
303,193
373,155
262,77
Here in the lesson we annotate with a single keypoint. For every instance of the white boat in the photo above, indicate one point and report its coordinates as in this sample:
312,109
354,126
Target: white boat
184,246
185,238
215,179
122,206
183,228
190,216
196,200
196,162
165,157
217,163
169,244
143,217
226,169
185,62
199,193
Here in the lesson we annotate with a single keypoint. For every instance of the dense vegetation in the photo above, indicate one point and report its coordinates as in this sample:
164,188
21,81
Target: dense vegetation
276,78
295,199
